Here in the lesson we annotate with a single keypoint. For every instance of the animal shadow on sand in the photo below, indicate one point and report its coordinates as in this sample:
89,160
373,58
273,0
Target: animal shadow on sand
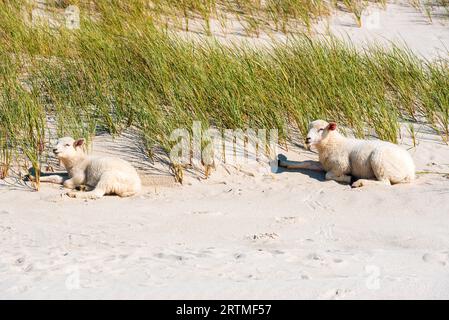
317,175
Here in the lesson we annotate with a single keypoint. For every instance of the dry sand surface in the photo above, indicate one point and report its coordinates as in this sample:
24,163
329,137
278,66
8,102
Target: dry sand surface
248,233
400,24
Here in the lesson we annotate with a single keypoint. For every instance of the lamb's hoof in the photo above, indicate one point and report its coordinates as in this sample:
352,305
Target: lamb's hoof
29,177
71,194
357,184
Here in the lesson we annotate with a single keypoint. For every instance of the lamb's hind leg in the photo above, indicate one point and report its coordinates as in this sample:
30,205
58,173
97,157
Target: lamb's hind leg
339,178
377,161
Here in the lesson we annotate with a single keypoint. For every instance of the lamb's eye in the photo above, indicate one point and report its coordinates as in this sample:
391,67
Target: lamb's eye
67,145
320,130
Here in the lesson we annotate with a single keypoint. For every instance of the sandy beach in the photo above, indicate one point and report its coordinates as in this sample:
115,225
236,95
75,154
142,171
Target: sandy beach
246,232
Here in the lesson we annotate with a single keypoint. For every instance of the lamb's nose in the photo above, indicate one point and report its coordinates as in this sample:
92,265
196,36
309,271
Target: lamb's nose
308,140
55,150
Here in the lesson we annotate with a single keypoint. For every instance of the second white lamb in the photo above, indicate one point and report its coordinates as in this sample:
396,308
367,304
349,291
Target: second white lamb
100,175
371,162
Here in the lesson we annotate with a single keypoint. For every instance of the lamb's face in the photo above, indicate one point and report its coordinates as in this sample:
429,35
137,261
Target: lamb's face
318,131
67,147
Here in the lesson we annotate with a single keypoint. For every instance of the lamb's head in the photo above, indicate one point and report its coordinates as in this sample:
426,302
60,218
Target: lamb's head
68,147
319,131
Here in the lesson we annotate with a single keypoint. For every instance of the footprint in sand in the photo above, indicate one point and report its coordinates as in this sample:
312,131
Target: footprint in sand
304,277
170,257
335,294
324,259
239,256
263,236
206,212
287,220
441,258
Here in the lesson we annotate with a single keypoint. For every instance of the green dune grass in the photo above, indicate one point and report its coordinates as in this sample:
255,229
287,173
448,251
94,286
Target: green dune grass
120,70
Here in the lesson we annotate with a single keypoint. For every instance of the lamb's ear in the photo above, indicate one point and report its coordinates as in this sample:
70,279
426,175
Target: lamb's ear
332,126
78,143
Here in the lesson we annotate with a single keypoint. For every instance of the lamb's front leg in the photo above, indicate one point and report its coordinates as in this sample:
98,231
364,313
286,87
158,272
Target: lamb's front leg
73,182
97,193
306,165
339,178
365,182
56,179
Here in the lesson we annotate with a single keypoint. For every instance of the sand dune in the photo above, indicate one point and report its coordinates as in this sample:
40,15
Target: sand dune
261,235
248,233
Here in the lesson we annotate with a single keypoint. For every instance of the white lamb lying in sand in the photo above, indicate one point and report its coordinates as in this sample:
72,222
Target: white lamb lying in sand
343,157
100,175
